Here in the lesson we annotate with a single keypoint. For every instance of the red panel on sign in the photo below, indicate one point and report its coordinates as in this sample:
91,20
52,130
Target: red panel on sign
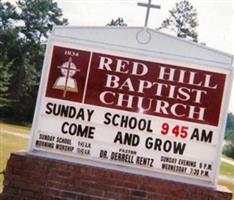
67,74
137,86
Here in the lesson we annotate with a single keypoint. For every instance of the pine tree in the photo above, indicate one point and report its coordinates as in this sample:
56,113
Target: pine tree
182,21
230,121
39,16
117,22
7,15
8,39
5,77
25,29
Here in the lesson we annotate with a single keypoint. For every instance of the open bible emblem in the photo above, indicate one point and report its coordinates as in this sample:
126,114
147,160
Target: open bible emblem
66,82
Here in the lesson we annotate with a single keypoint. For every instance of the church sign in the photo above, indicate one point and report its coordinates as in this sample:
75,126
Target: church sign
133,112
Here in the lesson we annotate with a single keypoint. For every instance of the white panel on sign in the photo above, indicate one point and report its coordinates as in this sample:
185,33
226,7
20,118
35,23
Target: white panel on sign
126,108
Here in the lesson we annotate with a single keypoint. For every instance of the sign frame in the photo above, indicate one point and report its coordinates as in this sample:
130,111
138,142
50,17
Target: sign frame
58,40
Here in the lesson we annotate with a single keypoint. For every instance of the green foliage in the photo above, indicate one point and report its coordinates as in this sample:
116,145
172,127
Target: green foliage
230,136
39,16
24,30
117,22
8,45
7,15
229,148
5,77
183,21
230,121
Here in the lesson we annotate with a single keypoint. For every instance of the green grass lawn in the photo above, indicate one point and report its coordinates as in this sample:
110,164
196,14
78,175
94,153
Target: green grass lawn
9,143
15,128
227,170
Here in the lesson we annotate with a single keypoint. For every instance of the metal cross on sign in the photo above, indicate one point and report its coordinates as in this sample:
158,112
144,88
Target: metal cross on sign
148,5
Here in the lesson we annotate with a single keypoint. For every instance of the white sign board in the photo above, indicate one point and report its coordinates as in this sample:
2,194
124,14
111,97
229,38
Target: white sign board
133,107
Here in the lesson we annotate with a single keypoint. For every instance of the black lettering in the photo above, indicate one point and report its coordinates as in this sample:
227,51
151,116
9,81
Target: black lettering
64,111
91,132
72,129
124,121
167,146
128,139
72,112
80,114
63,140
90,113
49,109
108,120
63,127
132,123
78,130
195,134
206,137
56,110
202,136
44,144
179,148
114,121
85,132
118,138
149,143
113,154
103,154
142,124
136,140
149,129
158,143
131,139
151,162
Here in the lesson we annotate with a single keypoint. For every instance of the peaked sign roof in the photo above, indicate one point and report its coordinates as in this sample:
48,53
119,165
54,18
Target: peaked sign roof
150,41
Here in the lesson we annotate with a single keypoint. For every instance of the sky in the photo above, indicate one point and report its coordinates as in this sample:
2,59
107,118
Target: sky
215,17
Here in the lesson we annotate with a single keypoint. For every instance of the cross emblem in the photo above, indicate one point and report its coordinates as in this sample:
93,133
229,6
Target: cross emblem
66,82
148,6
